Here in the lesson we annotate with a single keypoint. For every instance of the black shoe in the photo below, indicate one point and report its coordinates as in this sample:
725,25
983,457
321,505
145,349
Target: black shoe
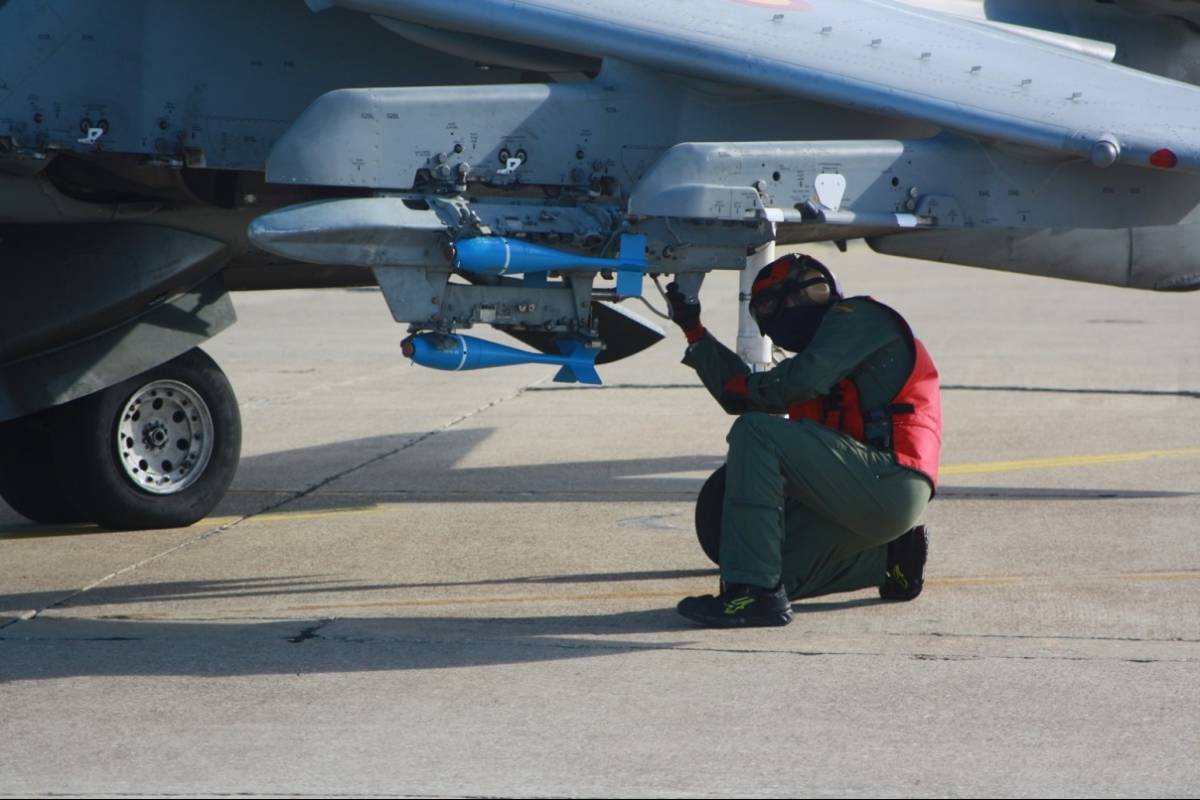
906,565
739,605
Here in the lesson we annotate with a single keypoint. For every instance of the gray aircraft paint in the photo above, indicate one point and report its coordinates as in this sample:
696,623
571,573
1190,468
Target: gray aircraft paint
955,140
868,54
211,81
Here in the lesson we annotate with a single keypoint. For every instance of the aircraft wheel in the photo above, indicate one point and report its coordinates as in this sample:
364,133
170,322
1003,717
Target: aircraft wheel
709,506
30,481
156,451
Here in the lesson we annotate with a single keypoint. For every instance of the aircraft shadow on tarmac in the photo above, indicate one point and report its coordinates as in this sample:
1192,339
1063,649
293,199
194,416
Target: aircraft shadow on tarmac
57,647
69,648
60,648
298,586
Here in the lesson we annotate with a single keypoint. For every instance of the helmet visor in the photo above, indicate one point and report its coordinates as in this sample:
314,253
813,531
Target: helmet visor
812,290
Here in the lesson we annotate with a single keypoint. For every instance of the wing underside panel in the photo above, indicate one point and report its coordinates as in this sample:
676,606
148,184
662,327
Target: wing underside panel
871,55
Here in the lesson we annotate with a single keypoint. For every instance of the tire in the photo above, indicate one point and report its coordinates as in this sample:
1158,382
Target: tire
30,480
156,451
709,505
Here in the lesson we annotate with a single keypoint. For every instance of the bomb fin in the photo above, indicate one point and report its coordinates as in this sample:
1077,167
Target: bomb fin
633,265
581,363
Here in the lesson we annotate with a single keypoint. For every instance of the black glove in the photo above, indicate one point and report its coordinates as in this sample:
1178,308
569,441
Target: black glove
684,312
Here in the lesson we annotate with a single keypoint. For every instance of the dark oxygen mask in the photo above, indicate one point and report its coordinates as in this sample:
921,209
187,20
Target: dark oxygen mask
812,292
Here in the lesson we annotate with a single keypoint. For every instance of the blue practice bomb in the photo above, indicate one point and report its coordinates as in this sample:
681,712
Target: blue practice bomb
456,352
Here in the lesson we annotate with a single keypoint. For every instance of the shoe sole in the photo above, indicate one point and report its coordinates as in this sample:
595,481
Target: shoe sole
766,621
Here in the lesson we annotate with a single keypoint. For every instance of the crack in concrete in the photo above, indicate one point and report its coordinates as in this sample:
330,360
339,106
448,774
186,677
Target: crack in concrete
309,633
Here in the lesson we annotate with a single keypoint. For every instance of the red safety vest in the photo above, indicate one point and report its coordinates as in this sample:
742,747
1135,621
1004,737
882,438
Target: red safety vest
915,412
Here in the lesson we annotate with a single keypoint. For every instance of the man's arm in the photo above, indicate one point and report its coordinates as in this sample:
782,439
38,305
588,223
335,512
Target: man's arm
721,371
850,333
724,374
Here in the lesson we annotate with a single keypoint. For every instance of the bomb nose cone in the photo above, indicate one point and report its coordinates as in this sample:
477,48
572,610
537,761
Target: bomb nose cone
406,347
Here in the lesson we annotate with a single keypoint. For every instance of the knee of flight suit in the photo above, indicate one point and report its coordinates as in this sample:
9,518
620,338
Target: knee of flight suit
753,460
749,427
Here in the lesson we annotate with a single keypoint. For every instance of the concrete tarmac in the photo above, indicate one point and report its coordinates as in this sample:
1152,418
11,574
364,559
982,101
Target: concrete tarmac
435,584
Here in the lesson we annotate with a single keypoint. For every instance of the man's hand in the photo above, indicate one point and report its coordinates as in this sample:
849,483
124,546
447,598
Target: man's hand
685,313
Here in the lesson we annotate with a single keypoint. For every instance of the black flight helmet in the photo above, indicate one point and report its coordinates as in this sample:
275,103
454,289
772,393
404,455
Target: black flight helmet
793,289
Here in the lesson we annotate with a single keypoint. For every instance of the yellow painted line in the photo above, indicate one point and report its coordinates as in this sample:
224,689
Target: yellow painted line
947,470
288,516
292,516
1162,576
1000,580
980,581
950,470
1067,461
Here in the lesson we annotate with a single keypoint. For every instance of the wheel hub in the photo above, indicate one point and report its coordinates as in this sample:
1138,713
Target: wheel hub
155,435
164,437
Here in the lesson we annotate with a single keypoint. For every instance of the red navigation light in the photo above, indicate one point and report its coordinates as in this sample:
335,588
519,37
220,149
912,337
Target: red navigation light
1164,159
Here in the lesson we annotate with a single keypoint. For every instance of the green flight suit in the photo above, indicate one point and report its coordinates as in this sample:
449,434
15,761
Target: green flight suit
804,503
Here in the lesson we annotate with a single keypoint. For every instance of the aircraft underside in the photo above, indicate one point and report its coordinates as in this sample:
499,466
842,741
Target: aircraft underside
532,197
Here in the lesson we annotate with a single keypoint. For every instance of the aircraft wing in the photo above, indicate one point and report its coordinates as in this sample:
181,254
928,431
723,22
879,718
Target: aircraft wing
874,55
